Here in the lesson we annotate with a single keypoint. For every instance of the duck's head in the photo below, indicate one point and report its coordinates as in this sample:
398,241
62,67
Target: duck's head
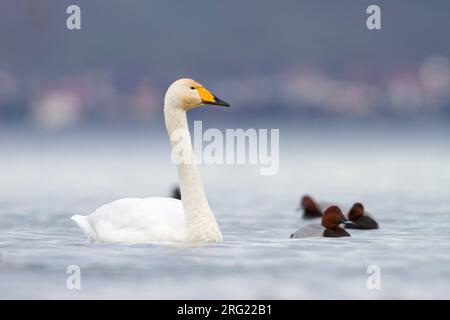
333,217
308,203
188,94
356,212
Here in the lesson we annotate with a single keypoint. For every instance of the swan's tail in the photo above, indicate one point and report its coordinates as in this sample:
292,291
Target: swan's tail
84,225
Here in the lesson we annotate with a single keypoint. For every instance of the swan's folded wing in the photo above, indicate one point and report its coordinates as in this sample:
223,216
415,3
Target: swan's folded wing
134,220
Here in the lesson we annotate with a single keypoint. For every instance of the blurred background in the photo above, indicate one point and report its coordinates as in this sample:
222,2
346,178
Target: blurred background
302,59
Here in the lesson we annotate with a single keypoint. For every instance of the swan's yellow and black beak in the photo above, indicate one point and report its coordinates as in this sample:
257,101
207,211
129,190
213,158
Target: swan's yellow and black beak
208,98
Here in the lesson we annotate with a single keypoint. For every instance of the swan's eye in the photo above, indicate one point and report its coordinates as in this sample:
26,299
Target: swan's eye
192,88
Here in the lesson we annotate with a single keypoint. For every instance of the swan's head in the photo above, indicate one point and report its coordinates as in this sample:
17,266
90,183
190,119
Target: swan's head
333,217
188,94
356,212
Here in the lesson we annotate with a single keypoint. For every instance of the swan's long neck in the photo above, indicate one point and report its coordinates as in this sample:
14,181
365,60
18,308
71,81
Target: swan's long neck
201,224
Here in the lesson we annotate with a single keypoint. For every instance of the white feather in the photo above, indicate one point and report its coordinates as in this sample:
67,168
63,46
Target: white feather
133,220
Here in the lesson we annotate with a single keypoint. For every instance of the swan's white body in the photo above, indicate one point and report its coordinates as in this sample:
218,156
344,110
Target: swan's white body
163,219
134,220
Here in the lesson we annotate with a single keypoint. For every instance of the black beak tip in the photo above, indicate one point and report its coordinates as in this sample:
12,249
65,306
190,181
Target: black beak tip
220,102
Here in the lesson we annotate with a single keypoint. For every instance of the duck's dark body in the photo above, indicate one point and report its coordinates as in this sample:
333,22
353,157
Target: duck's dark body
312,213
335,233
176,194
363,223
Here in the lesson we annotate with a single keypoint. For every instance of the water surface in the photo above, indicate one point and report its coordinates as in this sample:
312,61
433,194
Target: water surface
402,176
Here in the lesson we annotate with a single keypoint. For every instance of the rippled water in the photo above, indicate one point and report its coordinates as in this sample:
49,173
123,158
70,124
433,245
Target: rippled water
403,177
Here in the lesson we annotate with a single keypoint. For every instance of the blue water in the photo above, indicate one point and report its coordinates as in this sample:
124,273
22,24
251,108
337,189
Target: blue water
401,175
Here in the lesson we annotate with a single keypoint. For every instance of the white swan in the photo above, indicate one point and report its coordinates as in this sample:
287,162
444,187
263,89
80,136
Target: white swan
164,219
